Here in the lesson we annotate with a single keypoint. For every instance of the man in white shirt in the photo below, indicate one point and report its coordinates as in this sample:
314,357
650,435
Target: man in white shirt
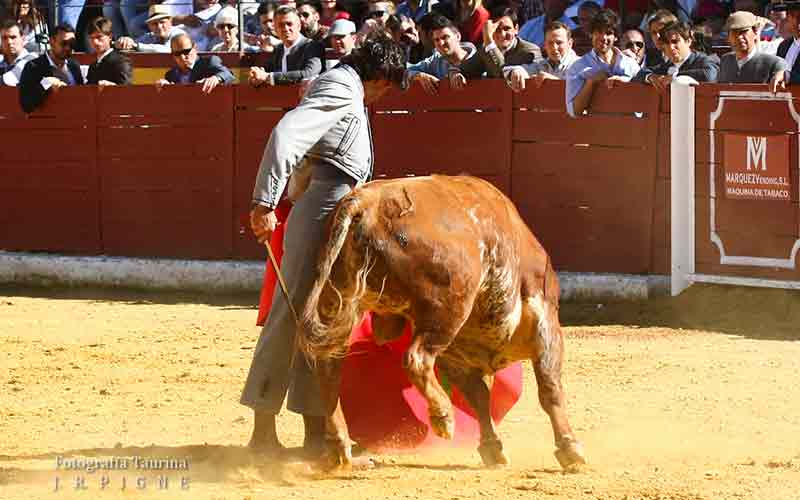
51,71
790,48
559,58
14,55
296,59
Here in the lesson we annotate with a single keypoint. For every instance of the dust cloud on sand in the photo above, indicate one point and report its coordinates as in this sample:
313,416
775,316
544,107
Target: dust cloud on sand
694,397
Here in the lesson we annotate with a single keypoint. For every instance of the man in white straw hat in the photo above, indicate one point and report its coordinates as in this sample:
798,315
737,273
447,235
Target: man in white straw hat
159,22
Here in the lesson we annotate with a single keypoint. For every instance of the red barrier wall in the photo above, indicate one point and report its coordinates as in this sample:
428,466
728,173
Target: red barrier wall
174,170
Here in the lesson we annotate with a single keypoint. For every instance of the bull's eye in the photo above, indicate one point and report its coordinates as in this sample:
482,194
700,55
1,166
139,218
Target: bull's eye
402,239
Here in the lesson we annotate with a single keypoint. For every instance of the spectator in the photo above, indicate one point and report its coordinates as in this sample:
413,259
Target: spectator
227,24
379,12
559,58
404,32
745,64
654,56
52,70
110,67
309,22
342,37
503,48
124,16
69,11
267,40
159,22
604,63
633,44
15,55
450,52
581,38
683,61
533,30
331,12
190,68
297,58
33,24
790,48
415,9
200,24
471,16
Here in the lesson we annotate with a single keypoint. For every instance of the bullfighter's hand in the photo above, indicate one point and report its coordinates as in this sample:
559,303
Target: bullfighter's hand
612,81
263,222
429,83
161,83
55,83
599,76
125,43
210,83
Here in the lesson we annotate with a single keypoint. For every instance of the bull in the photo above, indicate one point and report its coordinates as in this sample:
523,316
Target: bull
453,256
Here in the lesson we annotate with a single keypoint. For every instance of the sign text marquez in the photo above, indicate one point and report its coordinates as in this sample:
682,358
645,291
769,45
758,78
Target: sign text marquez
757,167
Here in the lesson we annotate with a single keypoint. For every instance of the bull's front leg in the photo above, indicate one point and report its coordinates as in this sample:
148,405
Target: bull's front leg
338,447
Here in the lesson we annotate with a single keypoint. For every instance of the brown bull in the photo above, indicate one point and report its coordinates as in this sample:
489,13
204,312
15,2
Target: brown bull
453,256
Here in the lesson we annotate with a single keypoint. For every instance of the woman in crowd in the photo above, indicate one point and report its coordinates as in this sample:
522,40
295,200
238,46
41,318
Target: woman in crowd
471,16
34,25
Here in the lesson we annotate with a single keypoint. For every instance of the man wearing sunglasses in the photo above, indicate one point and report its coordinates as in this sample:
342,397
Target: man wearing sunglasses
190,68
632,44
227,24
309,22
296,59
676,39
51,71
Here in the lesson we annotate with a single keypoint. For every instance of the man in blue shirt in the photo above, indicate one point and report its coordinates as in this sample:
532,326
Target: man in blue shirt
604,63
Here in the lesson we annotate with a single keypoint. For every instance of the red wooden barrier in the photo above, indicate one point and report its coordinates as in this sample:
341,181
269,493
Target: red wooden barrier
49,184
752,228
166,166
587,185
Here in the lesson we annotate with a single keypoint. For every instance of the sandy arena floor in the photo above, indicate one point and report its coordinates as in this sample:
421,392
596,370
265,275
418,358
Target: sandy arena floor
690,398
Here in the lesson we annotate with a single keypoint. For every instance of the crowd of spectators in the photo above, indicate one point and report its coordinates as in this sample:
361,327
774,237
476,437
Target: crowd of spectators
587,43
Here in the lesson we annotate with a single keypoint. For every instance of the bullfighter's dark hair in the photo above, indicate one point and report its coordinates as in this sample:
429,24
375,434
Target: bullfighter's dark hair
378,58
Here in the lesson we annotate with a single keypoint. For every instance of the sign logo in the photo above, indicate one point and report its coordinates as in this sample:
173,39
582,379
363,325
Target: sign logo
757,167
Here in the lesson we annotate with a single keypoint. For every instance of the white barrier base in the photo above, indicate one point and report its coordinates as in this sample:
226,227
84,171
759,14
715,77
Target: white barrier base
40,269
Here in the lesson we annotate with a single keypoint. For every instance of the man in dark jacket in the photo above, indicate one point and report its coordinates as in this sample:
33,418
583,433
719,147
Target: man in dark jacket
790,48
111,67
746,64
297,58
502,47
190,68
676,39
50,71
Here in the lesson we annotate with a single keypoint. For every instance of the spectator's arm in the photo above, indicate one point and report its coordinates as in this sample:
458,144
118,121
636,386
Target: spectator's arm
31,91
312,66
125,70
494,61
642,76
707,73
473,67
220,71
580,90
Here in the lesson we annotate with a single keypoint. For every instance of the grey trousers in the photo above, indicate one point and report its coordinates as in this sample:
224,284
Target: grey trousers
271,371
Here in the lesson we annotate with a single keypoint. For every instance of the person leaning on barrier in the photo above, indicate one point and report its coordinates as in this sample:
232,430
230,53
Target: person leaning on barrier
296,59
653,55
52,70
604,64
190,68
404,31
14,54
789,49
683,61
159,22
745,64
559,57
450,52
502,47
632,44
110,67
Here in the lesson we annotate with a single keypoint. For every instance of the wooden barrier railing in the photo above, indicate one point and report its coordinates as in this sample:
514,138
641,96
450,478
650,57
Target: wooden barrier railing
133,171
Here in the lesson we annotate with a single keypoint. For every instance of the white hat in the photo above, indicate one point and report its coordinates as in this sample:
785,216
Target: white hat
342,27
156,12
227,15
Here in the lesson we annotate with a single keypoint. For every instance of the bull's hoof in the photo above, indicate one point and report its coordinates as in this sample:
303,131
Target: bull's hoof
570,454
337,457
492,453
443,426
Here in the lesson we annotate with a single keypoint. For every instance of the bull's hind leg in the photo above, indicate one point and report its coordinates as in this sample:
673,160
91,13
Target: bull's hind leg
419,361
337,440
476,388
547,367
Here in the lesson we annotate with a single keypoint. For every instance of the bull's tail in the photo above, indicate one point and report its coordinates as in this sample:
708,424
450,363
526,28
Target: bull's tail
326,335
